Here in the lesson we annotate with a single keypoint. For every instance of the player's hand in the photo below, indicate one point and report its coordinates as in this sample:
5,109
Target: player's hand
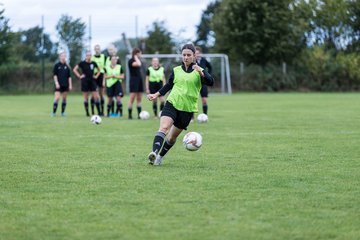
82,76
151,97
70,88
147,91
57,85
197,68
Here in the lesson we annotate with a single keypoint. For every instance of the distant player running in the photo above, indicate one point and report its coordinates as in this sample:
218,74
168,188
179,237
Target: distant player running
203,63
100,59
155,80
88,83
185,83
114,74
63,83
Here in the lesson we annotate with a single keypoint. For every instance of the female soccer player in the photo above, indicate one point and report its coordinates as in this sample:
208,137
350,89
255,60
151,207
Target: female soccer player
136,82
99,58
185,83
114,75
203,63
63,83
88,83
155,80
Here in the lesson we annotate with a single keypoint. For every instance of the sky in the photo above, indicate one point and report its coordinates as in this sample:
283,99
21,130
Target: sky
109,19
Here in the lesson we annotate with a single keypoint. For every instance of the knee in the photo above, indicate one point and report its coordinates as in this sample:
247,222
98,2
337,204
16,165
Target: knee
164,129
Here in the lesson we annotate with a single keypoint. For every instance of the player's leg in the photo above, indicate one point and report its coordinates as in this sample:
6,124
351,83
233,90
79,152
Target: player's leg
56,101
154,105
165,124
64,102
204,96
162,103
95,95
130,104
110,100
92,104
101,93
86,103
138,102
118,94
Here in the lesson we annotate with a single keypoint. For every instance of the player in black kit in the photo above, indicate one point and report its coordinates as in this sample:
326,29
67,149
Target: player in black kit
88,83
63,83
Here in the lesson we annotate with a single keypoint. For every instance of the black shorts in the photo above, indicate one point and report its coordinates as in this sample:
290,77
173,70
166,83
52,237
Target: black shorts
88,85
181,118
136,84
99,80
204,91
115,90
155,87
62,89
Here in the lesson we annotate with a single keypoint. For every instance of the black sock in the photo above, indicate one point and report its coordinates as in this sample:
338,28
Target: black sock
120,108
63,106
130,113
92,103
139,111
102,102
112,107
205,108
108,109
97,104
55,107
86,105
158,141
166,147
155,108
161,106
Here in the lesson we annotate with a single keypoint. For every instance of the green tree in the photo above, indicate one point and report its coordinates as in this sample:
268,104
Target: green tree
71,32
159,39
205,33
5,38
259,31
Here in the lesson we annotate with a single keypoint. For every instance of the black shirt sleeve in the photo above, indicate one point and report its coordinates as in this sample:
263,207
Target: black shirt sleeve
168,86
208,66
55,70
121,71
147,72
207,79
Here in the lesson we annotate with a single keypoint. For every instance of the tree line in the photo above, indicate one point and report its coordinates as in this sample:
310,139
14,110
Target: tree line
318,40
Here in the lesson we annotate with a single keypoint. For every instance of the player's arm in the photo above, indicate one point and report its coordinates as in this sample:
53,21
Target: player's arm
98,71
76,72
208,66
167,87
70,83
56,80
136,62
207,79
121,74
147,81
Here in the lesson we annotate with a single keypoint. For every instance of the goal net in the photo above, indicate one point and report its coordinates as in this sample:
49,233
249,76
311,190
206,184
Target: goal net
219,63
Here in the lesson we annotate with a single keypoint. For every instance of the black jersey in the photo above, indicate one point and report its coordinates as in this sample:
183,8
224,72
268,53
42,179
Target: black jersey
135,72
87,68
204,64
62,71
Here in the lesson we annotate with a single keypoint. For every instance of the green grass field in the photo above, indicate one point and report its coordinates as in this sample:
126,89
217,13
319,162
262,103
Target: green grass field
272,166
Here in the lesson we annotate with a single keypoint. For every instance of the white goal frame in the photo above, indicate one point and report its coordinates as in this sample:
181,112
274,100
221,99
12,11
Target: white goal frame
224,68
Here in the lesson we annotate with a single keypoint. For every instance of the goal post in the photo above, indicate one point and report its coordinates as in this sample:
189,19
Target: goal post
219,62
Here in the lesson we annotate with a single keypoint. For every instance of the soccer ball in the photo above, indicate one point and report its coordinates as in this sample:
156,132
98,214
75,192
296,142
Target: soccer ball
144,115
202,118
159,114
96,119
192,141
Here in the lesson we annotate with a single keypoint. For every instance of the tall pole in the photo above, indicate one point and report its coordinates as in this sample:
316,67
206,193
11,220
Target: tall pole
42,54
136,31
90,33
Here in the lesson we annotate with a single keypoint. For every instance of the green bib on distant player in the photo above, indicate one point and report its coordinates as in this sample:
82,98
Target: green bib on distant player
185,93
112,71
100,61
156,75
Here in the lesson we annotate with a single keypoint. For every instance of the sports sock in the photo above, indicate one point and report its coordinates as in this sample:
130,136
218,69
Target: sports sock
113,106
63,106
108,109
55,107
166,147
139,111
86,105
120,108
205,108
97,104
158,141
102,102
161,106
130,113
92,103
155,108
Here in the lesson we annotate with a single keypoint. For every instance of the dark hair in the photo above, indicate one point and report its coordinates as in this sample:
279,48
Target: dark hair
189,46
198,49
135,51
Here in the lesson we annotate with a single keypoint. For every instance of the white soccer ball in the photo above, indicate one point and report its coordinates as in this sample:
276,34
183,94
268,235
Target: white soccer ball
96,119
202,118
192,141
144,115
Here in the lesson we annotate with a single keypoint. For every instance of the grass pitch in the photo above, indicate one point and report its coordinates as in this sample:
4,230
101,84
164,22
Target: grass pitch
272,166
